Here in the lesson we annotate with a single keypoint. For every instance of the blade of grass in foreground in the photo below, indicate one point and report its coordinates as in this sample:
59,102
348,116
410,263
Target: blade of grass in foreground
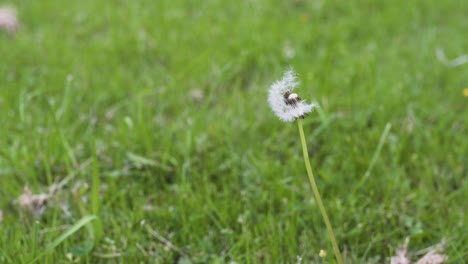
97,231
375,157
73,229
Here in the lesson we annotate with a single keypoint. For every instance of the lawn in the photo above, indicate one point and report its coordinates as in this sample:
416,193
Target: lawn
146,125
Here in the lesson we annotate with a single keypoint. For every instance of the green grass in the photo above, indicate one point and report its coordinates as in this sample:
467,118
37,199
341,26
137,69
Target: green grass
99,93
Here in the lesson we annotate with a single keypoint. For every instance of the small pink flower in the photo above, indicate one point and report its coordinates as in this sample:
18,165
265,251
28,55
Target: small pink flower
8,19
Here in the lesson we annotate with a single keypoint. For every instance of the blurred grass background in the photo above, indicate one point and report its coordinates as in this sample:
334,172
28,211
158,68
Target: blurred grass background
164,102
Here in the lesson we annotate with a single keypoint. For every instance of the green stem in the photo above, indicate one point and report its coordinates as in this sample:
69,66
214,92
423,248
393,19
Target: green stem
317,194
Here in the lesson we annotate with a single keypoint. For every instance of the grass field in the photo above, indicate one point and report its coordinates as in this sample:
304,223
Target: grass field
152,117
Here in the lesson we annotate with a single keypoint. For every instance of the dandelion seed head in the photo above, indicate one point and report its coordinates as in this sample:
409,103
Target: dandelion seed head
288,106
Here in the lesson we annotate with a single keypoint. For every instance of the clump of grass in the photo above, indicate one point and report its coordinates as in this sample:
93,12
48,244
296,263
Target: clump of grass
288,106
187,164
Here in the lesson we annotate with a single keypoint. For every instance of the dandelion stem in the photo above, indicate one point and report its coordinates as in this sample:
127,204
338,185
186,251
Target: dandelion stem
317,194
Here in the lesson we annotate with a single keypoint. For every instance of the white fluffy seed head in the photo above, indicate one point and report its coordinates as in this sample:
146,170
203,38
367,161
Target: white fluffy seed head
278,90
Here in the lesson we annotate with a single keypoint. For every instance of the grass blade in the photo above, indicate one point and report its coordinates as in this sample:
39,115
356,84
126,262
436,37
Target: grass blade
73,229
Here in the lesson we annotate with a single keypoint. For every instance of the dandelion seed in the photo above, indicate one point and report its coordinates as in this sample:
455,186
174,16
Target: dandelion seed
288,106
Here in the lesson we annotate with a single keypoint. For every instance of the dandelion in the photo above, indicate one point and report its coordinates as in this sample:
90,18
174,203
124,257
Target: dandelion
288,106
